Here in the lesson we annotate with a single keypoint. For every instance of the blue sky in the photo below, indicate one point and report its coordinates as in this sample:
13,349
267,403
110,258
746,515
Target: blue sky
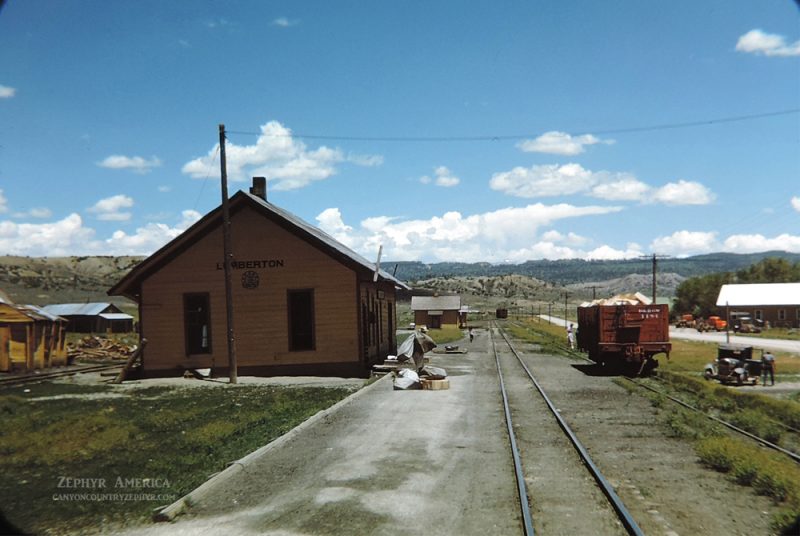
444,131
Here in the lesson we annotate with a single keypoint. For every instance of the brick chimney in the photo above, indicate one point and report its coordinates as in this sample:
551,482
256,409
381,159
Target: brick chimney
259,187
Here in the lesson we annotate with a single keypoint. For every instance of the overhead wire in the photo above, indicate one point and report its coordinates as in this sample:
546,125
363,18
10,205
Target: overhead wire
512,137
205,180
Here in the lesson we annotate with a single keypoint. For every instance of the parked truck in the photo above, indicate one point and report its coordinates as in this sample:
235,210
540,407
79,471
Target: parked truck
714,323
685,321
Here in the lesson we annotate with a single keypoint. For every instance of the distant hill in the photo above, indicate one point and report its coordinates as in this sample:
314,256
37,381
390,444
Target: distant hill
43,280
575,271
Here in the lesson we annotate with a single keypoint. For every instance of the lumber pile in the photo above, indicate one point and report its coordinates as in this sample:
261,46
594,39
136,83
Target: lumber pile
91,347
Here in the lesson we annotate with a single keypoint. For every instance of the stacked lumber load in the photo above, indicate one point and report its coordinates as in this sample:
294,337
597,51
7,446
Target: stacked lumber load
91,347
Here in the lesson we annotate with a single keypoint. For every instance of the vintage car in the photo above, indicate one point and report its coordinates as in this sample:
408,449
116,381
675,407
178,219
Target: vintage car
734,364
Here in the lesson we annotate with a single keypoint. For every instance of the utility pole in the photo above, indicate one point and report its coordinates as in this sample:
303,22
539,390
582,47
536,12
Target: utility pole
566,295
594,292
655,263
226,247
655,258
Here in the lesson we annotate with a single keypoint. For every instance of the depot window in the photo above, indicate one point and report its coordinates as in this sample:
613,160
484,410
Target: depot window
300,306
197,323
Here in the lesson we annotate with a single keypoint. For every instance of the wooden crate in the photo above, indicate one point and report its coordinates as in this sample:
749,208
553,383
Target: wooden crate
435,385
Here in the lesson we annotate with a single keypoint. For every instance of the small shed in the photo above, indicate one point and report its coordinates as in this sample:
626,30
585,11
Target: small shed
776,304
30,338
95,317
438,311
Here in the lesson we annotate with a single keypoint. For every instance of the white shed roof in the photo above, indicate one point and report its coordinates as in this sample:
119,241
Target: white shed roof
759,294
439,303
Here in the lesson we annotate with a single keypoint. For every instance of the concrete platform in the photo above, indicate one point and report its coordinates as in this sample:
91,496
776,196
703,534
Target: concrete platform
384,462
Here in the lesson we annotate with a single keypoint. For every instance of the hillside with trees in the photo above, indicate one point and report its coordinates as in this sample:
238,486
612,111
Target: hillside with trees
698,295
577,271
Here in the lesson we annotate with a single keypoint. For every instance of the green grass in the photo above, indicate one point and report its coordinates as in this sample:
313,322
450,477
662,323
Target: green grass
692,356
766,472
446,334
763,471
551,337
774,333
177,436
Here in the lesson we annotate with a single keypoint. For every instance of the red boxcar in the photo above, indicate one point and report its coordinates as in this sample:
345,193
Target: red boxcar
619,335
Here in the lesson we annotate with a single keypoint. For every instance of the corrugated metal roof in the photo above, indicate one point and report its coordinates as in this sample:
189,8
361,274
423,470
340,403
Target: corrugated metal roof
46,314
77,309
759,294
116,316
443,303
324,237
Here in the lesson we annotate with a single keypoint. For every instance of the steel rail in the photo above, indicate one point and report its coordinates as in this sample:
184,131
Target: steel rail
793,455
527,519
616,503
33,378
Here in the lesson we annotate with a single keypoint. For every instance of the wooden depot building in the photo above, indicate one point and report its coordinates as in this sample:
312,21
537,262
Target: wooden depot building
437,311
304,304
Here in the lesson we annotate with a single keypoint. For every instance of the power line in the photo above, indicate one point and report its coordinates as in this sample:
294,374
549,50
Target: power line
511,137
205,179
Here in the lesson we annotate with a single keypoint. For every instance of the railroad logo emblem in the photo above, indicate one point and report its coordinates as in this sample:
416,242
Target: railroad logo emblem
250,279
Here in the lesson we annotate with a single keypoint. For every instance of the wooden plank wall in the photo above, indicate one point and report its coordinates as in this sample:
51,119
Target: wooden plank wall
261,320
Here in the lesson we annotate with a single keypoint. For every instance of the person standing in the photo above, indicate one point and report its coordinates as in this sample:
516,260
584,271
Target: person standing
571,337
471,335
768,366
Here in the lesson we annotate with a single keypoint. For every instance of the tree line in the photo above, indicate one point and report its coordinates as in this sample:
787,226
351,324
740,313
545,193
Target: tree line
698,295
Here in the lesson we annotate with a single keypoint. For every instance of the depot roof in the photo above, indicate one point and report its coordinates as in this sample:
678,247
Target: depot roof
759,294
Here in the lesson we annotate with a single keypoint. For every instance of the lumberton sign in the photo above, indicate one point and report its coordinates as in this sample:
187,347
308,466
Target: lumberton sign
249,265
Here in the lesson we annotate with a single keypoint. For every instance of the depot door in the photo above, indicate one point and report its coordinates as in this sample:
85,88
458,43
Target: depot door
5,358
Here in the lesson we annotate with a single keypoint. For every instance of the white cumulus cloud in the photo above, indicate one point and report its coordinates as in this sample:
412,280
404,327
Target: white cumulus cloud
544,180
276,155
754,243
496,236
759,42
69,236
555,142
795,203
7,92
623,187
683,243
112,208
683,193
568,179
60,238
442,177
137,164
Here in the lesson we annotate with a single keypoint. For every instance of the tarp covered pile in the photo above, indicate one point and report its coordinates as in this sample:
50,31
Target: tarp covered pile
621,299
413,349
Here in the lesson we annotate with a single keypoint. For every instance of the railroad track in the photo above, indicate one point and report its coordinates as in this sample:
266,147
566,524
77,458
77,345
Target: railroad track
760,440
34,377
568,475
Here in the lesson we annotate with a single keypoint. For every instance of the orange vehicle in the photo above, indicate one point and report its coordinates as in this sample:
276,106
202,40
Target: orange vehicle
686,321
716,323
